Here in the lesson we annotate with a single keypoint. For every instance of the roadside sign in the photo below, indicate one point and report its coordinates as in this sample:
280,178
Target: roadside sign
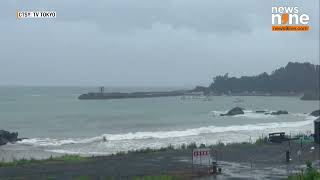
201,156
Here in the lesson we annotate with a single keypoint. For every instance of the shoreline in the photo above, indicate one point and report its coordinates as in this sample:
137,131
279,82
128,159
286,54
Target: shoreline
43,148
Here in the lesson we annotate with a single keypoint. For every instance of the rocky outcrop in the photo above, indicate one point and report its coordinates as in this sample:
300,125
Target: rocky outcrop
315,113
279,112
234,111
6,136
261,111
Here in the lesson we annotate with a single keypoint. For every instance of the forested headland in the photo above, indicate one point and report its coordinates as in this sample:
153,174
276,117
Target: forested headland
294,78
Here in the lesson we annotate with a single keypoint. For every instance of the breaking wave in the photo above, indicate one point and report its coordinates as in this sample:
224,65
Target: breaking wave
63,151
169,134
253,114
58,142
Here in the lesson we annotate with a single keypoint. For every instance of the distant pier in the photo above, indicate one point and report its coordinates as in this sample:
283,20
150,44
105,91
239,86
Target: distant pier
119,95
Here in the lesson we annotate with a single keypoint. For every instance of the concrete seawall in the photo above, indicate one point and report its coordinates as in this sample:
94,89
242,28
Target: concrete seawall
117,95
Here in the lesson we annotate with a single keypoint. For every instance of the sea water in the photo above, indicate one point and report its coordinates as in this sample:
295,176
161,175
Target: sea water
56,122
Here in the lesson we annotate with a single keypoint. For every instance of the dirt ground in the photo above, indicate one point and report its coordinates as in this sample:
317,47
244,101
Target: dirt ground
238,161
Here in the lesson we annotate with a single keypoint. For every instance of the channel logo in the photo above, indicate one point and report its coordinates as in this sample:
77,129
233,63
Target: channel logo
289,19
36,14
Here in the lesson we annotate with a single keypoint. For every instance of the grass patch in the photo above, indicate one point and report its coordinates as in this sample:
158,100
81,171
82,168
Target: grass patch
192,146
310,173
69,158
162,177
150,150
262,140
220,143
83,178
21,162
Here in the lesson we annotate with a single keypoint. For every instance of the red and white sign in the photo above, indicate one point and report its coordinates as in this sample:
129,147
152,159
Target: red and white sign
201,156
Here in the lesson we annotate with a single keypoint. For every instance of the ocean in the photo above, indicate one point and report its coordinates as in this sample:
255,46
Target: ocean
56,122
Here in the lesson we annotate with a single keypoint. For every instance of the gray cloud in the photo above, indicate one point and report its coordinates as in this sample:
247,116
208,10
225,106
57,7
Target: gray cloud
170,42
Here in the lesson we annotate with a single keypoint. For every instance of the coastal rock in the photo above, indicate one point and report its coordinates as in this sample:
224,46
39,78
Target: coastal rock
234,111
315,113
261,111
6,136
279,112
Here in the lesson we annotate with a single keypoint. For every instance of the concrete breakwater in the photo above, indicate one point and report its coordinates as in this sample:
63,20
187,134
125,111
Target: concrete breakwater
118,95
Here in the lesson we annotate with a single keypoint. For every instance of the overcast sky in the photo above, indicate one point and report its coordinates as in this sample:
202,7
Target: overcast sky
148,42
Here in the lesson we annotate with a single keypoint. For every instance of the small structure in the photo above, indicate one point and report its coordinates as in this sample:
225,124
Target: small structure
202,162
278,137
317,131
101,89
201,156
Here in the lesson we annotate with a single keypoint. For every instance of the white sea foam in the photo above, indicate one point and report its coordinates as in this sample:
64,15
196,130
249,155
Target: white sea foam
216,113
171,134
247,113
47,141
57,142
63,151
254,115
